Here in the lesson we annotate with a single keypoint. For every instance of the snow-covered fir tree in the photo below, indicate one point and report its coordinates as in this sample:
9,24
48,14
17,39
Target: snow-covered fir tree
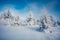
30,19
6,17
46,21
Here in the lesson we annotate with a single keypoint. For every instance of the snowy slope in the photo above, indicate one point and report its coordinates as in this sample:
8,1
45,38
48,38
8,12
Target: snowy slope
18,33
24,33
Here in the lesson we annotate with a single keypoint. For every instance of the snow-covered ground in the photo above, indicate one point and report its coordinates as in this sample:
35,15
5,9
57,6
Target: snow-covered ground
8,32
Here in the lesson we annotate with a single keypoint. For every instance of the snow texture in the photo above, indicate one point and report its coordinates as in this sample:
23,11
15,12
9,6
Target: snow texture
13,28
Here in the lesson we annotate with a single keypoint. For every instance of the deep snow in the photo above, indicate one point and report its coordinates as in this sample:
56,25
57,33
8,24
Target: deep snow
8,32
